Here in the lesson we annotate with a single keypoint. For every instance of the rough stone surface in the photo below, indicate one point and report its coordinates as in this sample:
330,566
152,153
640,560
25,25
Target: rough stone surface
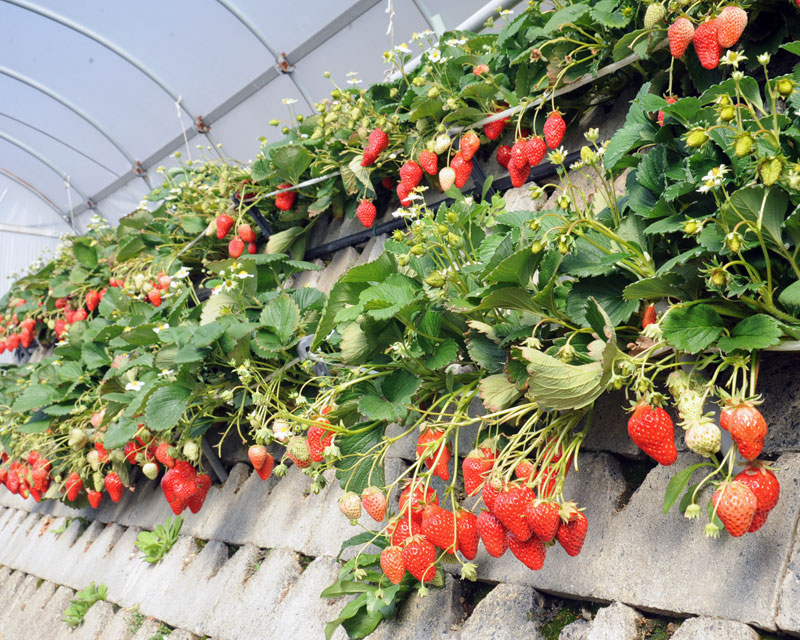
507,612
341,262
707,628
779,384
433,616
617,622
578,630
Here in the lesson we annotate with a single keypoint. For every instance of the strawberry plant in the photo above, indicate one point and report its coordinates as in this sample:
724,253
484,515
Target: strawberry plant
482,337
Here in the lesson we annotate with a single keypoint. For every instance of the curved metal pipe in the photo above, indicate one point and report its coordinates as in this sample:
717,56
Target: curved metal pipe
69,105
32,189
113,48
60,141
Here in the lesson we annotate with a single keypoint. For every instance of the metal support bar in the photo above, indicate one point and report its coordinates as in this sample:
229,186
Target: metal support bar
113,48
213,460
29,231
32,189
60,141
280,59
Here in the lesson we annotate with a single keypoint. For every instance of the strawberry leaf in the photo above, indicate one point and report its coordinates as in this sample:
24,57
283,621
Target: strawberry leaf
678,483
692,329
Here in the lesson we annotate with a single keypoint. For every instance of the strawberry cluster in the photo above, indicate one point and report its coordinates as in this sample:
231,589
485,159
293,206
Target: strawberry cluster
710,37
25,330
244,232
28,477
183,487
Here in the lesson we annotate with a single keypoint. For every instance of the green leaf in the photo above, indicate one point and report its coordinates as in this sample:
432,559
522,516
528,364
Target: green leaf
282,316
94,355
485,353
756,332
650,172
355,470
692,329
216,306
678,483
510,298
763,207
132,246
790,296
608,293
607,14
281,242
119,433
637,128
166,407
497,392
84,252
665,286
141,336
291,161
387,299
35,397
189,353
446,352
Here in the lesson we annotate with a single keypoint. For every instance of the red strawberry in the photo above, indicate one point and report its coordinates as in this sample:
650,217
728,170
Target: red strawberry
79,316
374,503
392,564
660,116
649,316
236,247
420,498
475,467
114,486
378,141
730,25
766,488
572,533
706,44
411,174
535,150
92,300
439,458
154,297
318,439
503,155
285,201
524,470
736,504
252,248
387,183
3,343
468,538
95,497
554,129
419,557
163,456
748,429
265,470
531,552
463,169
490,492
543,519
101,450
60,303
470,142
366,212
298,452
680,34
439,527
519,173
492,533
246,233
73,485
196,500
651,430
429,161
494,130
224,224
519,153
401,530
369,158
510,507
402,194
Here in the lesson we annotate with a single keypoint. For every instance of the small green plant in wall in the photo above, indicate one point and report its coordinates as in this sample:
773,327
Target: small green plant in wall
82,602
155,544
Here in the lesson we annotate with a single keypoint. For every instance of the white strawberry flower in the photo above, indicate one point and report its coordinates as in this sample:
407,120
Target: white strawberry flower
134,385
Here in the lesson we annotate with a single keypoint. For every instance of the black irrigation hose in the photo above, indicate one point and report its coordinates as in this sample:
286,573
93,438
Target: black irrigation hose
501,184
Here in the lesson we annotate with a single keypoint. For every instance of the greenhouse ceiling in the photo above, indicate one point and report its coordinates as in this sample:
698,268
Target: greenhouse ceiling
97,95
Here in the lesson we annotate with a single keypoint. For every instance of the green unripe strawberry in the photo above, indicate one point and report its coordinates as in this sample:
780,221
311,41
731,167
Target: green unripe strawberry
98,480
435,280
455,240
785,87
728,113
442,229
770,169
704,438
298,448
150,470
697,138
417,249
190,450
536,246
743,145
535,224
655,13
588,156
452,217
734,241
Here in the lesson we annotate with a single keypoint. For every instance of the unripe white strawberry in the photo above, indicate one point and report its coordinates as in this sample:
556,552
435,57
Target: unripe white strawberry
447,178
441,144
704,438
350,505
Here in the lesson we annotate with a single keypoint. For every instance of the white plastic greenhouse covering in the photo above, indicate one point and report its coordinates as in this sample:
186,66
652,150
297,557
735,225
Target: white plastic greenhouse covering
93,89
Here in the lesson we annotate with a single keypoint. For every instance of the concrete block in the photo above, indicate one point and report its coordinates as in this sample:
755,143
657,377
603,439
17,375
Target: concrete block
507,612
295,612
320,231
26,621
181,634
779,385
617,622
54,611
519,199
119,628
97,619
577,630
707,628
146,510
341,263
308,278
262,587
168,573
372,250
149,631
348,227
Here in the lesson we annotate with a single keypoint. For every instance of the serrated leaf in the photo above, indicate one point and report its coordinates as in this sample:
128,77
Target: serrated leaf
35,397
166,407
446,352
282,317
215,306
355,471
665,286
485,353
84,252
790,296
119,433
756,332
608,293
692,329
497,392
94,355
